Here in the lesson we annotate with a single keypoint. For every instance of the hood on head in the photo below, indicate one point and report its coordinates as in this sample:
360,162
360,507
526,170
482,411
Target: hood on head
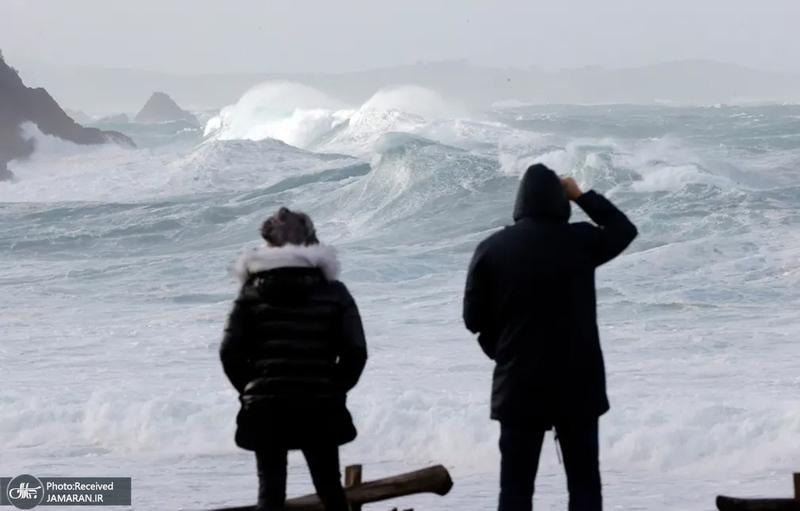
541,195
266,258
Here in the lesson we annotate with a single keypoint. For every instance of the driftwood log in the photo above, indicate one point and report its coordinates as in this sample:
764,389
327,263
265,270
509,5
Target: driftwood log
733,504
352,477
434,480
428,480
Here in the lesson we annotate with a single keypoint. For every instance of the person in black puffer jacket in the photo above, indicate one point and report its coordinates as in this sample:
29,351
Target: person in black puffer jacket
293,347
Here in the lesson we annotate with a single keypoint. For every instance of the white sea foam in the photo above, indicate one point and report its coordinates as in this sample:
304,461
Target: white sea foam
305,118
116,280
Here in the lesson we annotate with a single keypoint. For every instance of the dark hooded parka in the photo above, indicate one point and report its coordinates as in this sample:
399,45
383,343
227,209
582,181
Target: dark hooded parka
530,297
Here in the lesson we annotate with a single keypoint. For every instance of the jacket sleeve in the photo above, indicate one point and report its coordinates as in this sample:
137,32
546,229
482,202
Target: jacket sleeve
353,352
614,231
477,306
233,350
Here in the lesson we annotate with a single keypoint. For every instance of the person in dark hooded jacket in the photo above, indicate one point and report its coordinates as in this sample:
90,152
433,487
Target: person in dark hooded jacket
530,297
293,347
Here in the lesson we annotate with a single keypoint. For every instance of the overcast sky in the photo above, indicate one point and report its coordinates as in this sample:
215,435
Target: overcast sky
194,36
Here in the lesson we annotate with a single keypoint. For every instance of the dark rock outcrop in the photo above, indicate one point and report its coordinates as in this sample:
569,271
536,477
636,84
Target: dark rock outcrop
20,104
161,108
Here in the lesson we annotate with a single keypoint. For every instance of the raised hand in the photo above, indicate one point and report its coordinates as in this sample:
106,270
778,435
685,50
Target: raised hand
571,187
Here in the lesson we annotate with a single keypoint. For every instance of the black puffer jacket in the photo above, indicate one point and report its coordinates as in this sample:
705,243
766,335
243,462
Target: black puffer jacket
530,295
293,347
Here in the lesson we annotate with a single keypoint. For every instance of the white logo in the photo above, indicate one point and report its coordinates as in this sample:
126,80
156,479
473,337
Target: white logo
25,492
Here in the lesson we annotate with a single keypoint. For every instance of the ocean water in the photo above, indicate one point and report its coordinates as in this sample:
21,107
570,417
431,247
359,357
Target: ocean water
116,278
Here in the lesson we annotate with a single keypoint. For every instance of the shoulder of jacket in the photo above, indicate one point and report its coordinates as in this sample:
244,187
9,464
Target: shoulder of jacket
341,289
488,240
498,235
332,287
248,291
582,226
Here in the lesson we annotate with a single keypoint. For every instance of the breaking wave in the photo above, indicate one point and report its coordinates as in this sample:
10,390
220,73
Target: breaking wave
116,268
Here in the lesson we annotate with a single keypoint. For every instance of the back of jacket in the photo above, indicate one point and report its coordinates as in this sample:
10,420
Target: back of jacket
293,347
296,336
530,295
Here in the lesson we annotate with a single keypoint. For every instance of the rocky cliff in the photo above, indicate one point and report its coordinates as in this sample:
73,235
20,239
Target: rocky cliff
20,104
162,108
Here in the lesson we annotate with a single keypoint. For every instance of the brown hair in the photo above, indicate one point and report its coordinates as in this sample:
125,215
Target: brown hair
288,226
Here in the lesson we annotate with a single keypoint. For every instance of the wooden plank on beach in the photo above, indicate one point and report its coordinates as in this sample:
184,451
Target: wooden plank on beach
428,480
434,480
352,478
734,504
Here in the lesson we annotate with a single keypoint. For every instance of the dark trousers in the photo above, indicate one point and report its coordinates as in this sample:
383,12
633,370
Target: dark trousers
323,463
520,449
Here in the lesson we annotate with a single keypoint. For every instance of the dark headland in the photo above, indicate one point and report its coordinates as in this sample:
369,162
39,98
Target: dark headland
20,104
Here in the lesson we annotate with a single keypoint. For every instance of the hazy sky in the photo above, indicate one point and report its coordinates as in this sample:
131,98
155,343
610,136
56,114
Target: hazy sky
193,36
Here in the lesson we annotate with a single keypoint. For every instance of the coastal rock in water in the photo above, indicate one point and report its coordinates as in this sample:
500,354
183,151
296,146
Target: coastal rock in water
113,119
161,108
20,104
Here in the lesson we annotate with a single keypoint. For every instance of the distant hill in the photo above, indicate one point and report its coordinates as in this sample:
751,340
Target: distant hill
683,82
162,108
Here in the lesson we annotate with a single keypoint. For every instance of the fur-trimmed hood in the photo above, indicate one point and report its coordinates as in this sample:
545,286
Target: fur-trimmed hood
265,258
